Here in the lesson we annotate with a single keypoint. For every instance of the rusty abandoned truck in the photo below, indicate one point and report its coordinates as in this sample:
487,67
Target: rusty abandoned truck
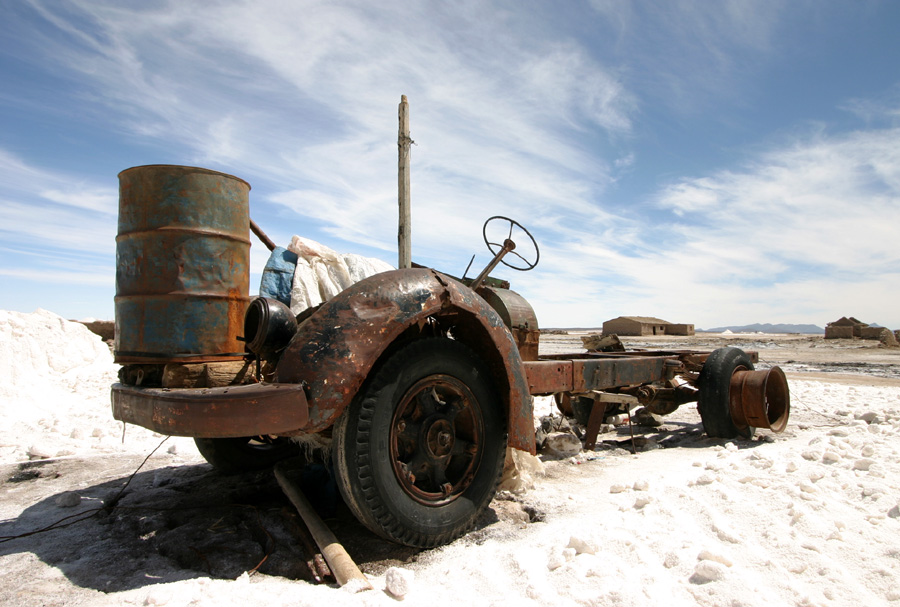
417,382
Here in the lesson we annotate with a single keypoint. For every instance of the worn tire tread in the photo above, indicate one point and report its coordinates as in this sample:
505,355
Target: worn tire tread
353,440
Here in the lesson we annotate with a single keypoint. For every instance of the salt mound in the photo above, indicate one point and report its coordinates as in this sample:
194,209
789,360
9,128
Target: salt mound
54,396
40,348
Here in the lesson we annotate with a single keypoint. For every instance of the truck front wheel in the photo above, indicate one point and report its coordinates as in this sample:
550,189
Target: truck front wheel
419,452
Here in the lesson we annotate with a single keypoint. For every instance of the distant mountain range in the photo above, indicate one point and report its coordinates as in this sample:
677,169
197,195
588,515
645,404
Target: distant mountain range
766,328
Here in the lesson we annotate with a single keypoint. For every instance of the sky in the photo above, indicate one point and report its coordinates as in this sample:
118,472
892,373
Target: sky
715,163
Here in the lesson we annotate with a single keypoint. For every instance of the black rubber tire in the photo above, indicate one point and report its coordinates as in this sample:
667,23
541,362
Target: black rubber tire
236,455
582,407
370,435
715,387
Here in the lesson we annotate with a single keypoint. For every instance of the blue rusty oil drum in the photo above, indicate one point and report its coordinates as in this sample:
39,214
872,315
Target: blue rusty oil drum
182,265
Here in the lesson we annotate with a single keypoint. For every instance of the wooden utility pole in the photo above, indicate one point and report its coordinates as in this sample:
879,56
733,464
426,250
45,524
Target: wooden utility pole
404,234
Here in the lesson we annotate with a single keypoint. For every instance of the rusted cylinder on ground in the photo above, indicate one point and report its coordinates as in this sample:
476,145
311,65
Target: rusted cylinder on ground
182,265
760,399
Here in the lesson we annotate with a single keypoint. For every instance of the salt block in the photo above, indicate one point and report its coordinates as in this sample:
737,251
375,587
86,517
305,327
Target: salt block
398,581
519,471
708,571
726,535
707,555
705,479
562,444
642,501
582,545
39,452
870,417
830,457
863,464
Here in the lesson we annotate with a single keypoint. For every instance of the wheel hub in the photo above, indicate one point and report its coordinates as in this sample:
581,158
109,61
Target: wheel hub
439,437
436,435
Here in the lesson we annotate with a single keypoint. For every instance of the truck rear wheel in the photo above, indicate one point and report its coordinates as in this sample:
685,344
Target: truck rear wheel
236,455
419,452
714,383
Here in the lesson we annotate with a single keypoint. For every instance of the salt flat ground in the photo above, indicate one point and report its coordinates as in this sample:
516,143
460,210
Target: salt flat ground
808,517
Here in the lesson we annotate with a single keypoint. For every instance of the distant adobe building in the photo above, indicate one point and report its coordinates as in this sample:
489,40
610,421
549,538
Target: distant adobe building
849,328
844,328
645,325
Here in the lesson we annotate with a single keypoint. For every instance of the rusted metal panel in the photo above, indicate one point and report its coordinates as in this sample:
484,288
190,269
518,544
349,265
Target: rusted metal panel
336,348
617,372
518,315
514,309
182,265
233,411
528,342
586,372
583,374
550,376
598,413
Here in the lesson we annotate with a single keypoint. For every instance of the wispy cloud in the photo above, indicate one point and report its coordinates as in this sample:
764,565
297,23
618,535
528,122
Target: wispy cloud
690,54
100,278
808,226
514,112
794,205
253,87
47,210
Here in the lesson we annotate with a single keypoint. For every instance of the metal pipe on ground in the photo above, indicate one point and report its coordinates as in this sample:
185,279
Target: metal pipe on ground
342,566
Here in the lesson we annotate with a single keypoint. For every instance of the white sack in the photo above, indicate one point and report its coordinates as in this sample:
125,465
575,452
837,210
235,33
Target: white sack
322,272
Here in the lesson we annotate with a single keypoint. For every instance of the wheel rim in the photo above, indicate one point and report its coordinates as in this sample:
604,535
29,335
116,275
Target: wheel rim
436,436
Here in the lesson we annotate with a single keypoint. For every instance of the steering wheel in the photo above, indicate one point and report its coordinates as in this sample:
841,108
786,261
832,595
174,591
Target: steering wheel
495,247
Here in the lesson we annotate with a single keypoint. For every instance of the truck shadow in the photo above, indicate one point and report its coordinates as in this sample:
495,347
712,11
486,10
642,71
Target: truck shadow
181,522
175,523
671,434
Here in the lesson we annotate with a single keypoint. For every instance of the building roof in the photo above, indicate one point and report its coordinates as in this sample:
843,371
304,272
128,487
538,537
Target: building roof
647,320
847,322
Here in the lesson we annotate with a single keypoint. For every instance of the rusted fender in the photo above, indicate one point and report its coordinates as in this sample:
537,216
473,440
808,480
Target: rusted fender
336,348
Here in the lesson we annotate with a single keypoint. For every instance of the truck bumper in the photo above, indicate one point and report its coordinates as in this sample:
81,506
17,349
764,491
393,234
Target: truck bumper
232,411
